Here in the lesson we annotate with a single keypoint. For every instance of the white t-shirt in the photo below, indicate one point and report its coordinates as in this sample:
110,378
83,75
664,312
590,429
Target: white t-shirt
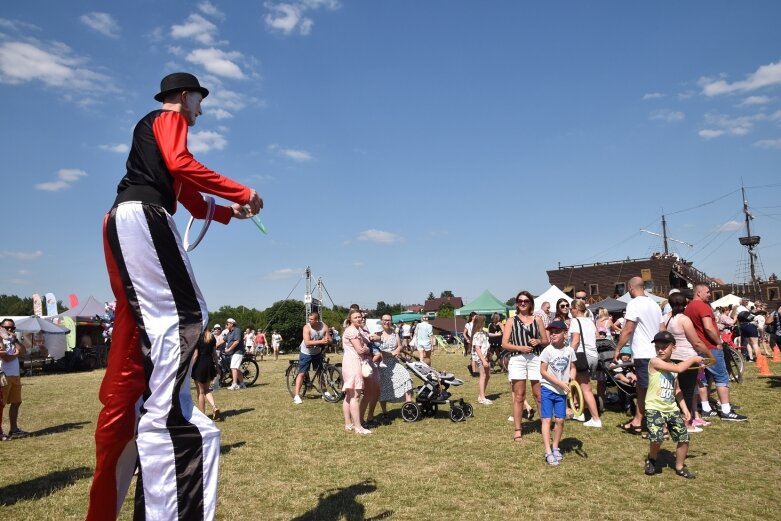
422,333
468,329
10,368
647,316
589,335
405,330
558,361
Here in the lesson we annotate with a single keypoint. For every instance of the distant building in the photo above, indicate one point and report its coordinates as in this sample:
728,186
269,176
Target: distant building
432,305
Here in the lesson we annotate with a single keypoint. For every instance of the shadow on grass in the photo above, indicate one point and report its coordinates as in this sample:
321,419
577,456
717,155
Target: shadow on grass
55,429
236,412
339,503
568,445
42,486
225,449
773,381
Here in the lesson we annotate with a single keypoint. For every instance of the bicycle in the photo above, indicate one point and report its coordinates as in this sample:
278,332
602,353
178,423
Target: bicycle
327,381
249,368
735,363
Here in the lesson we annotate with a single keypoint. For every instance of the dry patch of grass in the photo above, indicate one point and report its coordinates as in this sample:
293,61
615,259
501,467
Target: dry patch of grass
287,462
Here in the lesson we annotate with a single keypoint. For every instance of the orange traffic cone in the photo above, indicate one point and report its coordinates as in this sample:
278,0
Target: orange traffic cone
776,354
762,365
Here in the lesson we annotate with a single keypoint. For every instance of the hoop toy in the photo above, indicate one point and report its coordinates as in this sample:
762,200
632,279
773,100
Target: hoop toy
575,393
706,362
209,216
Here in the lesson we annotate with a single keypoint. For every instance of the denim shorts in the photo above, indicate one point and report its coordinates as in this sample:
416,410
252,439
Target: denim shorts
552,404
718,370
641,370
304,361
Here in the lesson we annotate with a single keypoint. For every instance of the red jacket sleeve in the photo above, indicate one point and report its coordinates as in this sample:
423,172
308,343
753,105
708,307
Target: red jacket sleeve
195,204
170,130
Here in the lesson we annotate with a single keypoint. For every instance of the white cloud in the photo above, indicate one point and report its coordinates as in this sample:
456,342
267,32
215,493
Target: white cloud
710,133
721,124
120,148
768,143
754,100
223,103
52,64
300,156
670,116
653,95
103,23
764,76
729,226
379,236
65,178
196,27
285,273
24,272
205,141
216,61
21,255
16,25
210,9
288,17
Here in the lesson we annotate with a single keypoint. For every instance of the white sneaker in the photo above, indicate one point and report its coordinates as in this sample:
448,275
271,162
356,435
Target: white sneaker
484,401
297,400
581,418
233,387
593,423
510,418
693,429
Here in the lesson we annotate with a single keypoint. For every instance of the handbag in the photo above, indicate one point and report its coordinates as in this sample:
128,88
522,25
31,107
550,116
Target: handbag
581,361
366,369
3,379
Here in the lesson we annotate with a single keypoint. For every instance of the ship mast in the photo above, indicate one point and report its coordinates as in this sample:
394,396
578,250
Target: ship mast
665,237
750,242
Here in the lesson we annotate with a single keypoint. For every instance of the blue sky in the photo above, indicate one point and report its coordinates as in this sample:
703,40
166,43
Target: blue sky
400,147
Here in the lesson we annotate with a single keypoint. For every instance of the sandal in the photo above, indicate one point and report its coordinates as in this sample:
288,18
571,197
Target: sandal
216,415
550,459
348,428
684,472
556,452
518,437
631,429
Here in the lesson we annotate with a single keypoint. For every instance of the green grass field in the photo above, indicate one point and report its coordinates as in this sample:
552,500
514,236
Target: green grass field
281,461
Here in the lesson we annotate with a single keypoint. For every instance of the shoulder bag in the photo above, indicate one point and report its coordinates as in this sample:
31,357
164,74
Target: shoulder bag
581,361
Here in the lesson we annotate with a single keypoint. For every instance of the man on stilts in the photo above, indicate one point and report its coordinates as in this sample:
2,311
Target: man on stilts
148,416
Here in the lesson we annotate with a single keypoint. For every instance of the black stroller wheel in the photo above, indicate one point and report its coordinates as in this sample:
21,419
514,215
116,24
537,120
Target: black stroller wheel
457,414
410,412
469,411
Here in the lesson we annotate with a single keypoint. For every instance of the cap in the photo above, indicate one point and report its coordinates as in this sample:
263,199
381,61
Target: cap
557,324
626,350
665,337
216,326
674,290
230,321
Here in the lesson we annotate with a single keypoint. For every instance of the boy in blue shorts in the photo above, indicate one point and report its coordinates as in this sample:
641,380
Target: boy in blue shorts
660,407
557,368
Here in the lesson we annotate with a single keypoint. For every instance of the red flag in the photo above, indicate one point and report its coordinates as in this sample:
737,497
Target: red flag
73,300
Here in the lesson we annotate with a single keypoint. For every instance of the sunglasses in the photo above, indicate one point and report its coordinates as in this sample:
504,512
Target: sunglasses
9,328
523,301
562,306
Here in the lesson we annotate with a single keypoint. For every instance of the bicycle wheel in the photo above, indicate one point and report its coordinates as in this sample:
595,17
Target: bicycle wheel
250,371
290,378
735,364
331,384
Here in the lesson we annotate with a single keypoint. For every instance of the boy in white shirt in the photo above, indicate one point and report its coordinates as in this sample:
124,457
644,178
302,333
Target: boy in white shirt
557,368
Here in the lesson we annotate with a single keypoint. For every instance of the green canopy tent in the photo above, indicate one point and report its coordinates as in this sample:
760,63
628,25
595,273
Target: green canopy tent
485,304
406,317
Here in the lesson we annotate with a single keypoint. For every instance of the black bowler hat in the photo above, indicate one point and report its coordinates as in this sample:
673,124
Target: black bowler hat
179,81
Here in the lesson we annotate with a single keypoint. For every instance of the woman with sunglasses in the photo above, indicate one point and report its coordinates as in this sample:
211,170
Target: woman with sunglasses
525,337
562,311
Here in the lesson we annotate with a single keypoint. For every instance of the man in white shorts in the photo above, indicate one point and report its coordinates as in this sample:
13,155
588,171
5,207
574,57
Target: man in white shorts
234,347
424,340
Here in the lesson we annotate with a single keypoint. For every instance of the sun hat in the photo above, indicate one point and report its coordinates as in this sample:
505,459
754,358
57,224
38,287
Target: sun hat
230,321
179,81
216,326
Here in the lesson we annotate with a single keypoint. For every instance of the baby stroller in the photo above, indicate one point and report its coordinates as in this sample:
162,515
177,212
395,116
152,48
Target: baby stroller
626,394
432,393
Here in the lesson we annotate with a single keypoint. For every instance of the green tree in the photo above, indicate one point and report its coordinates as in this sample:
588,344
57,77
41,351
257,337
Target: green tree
446,293
430,295
12,305
446,310
287,317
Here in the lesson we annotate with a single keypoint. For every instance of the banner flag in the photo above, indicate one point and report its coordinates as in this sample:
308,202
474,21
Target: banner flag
37,305
51,304
73,301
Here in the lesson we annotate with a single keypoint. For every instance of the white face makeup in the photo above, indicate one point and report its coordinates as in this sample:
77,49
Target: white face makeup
192,106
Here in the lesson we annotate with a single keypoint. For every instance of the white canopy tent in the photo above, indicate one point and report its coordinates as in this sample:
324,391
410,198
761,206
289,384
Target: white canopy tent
626,297
49,339
729,300
551,295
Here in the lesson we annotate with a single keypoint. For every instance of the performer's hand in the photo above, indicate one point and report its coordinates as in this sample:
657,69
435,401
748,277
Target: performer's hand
255,202
240,212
